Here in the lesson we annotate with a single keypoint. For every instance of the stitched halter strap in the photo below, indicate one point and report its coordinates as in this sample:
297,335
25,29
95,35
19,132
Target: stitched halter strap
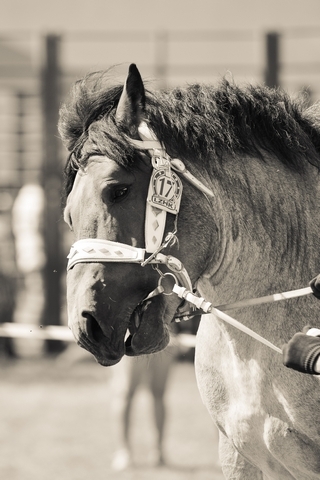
93,250
96,250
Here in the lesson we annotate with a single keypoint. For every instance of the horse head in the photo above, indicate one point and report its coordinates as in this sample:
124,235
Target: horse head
121,269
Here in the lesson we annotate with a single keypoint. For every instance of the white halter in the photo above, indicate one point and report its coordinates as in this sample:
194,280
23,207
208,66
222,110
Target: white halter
164,195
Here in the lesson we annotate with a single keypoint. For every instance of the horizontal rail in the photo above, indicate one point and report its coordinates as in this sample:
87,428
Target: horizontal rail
60,332
23,330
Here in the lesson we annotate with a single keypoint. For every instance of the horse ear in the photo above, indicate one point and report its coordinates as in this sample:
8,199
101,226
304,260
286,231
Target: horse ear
132,102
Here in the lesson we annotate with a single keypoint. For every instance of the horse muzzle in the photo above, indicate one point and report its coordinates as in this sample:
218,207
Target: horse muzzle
110,325
107,349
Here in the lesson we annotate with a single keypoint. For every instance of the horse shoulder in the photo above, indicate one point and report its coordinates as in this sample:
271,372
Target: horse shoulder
262,412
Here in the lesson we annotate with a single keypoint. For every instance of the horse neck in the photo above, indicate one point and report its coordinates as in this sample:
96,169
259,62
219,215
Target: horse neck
270,230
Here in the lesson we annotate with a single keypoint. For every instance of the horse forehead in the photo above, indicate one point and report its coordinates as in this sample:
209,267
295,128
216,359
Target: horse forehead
99,169
100,166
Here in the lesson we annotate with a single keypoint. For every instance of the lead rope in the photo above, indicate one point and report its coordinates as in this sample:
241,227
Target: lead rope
206,308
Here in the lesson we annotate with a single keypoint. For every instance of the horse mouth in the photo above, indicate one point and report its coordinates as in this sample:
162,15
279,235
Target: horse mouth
134,325
147,329
145,332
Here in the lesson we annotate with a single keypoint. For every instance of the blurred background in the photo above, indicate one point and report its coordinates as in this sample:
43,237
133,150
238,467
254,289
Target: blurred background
56,404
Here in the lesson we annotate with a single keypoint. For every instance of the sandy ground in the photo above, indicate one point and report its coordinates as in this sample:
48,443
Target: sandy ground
57,423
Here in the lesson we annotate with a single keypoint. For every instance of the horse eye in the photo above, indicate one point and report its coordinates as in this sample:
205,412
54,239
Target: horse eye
120,193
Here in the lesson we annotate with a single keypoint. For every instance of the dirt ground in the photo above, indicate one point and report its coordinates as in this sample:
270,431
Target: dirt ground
57,424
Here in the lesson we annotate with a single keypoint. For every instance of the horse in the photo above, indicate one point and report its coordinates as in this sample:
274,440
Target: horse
200,195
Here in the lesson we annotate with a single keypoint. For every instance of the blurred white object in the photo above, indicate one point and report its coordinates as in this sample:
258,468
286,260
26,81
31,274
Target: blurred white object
27,225
27,221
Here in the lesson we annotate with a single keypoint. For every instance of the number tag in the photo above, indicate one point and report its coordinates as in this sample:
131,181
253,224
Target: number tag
165,190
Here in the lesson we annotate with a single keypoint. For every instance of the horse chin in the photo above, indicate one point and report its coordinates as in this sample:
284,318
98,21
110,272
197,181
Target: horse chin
105,354
147,332
148,328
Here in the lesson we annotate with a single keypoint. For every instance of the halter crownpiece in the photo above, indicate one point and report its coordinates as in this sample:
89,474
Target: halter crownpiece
165,187
150,142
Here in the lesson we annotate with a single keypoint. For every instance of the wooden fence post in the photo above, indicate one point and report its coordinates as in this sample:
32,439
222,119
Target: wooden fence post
161,58
51,180
272,72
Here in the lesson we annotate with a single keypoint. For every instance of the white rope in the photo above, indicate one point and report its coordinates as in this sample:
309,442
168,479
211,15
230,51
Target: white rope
267,299
219,311
226,318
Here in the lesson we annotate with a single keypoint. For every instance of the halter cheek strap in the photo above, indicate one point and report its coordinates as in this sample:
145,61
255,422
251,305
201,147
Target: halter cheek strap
165,187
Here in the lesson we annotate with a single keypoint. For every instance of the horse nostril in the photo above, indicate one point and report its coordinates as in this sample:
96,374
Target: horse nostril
93,328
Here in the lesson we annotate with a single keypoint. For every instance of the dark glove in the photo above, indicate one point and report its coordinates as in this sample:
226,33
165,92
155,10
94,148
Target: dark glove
315,286
301,353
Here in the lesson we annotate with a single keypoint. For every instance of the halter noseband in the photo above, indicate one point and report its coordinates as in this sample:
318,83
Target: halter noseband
164,195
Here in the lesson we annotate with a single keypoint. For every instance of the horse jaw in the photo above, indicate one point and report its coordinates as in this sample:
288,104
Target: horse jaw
148,328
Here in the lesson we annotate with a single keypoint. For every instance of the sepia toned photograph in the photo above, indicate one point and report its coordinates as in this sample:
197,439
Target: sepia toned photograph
159,240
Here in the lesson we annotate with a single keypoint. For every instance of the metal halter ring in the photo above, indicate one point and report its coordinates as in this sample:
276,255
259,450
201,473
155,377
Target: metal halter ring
161,279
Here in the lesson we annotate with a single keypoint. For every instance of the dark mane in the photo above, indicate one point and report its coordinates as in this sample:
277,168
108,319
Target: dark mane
199,121
227,119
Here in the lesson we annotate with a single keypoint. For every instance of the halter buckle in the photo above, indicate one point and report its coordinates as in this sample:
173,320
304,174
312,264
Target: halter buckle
162,278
